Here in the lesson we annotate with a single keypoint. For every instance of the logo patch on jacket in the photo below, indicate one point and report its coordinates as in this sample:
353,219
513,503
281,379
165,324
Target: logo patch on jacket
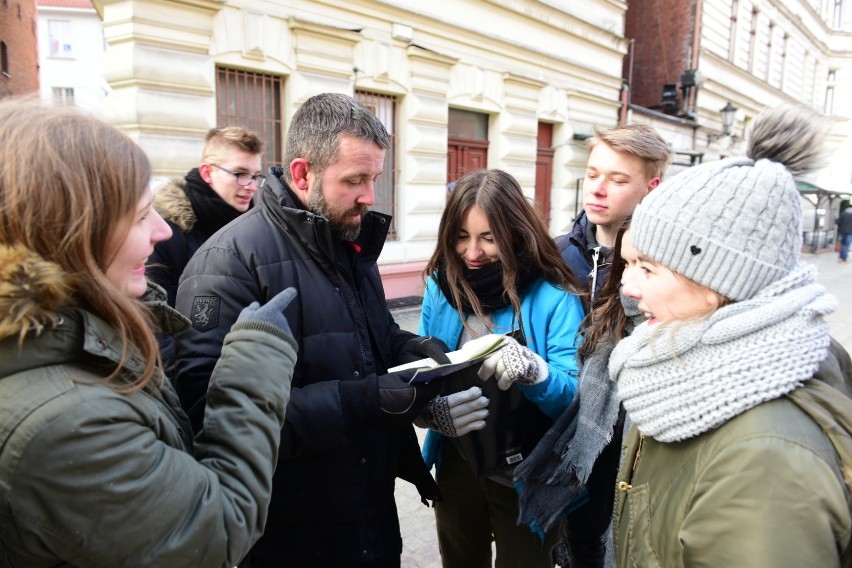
205,312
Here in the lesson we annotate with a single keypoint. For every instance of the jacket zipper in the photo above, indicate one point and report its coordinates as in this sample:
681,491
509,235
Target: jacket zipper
623,485
594,274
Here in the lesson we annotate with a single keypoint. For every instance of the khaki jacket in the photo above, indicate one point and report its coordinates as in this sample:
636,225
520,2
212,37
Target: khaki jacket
764,489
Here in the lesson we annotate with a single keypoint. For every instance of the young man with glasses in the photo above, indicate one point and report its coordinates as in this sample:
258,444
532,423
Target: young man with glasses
205,200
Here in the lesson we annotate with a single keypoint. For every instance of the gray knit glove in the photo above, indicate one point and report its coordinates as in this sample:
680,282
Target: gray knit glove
457,414
514,362
272,311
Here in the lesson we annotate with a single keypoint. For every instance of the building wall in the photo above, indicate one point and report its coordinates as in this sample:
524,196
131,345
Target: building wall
663,33
560,62
760,53
755,54
557,62
73,61
18,33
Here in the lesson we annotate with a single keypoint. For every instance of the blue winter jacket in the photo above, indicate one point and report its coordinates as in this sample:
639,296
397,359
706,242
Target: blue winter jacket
551,318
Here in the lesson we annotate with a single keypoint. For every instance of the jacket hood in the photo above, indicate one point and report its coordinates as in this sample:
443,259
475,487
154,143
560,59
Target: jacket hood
171,202
32,291
35,294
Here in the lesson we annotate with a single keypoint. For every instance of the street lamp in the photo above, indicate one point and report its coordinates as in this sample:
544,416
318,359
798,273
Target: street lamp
729,115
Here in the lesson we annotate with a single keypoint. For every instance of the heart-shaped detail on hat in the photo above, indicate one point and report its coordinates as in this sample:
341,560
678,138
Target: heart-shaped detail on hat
694,250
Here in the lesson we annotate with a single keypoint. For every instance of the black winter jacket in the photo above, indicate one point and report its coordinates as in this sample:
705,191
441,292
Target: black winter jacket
333,491
189,230
577,247
844,222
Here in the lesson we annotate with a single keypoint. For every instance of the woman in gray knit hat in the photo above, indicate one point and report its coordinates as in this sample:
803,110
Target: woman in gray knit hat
740,452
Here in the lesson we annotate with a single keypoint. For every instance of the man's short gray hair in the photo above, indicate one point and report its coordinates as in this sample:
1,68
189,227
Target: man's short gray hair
319,123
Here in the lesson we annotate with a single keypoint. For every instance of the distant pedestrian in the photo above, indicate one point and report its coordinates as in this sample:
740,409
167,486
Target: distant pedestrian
844,229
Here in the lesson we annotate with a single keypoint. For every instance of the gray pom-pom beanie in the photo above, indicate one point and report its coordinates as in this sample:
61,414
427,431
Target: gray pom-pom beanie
733,225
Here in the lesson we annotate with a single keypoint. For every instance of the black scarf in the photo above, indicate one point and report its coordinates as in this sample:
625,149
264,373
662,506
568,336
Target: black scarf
211,210
487,284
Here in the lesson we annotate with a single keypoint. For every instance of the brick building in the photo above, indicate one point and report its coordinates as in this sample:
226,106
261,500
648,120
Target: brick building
690,59
18,50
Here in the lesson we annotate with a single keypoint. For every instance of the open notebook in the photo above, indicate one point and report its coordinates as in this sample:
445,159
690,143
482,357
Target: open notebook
514,424
472,353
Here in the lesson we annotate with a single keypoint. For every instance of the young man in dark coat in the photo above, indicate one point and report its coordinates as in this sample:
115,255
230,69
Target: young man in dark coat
844,230
209,197
625,163
349,432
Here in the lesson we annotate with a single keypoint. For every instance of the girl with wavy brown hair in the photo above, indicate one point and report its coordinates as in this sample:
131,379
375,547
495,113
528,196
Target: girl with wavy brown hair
496,271
97,461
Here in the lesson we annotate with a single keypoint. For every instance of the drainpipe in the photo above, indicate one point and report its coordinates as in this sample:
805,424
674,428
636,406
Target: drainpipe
625,87
696,47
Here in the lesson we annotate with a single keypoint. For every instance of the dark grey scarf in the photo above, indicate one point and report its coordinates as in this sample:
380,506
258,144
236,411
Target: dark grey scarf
212,211
552,478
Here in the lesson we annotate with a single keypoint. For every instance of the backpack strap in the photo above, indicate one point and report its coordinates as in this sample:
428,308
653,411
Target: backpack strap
832,411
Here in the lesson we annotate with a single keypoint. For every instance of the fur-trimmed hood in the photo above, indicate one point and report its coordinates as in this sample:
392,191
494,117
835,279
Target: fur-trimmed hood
32,291
171,202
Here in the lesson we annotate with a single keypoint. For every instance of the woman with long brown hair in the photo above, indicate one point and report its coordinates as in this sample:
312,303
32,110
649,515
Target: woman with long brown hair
496,270
98,466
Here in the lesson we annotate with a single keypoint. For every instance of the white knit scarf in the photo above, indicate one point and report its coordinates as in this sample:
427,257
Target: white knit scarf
683,379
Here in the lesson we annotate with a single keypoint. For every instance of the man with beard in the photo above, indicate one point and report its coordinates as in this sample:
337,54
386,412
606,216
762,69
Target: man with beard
348,431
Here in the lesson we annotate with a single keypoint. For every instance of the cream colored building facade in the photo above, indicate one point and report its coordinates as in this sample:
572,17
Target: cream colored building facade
518,63
71,45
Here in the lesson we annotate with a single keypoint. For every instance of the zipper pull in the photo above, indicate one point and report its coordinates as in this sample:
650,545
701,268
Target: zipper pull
638,452
594,275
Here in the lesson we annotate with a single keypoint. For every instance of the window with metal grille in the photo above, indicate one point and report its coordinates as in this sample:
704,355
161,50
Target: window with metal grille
384,107
253,101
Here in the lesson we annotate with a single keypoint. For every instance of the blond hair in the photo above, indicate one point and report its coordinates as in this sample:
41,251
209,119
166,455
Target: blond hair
220,141
639,140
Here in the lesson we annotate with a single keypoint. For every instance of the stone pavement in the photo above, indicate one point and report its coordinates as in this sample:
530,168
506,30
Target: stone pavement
417,522
419,542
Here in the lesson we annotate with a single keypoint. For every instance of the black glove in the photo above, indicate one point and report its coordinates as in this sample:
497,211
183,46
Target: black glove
272,311
420,347
402,402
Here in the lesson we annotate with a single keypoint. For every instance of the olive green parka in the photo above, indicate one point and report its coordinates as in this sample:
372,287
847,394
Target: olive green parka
764,490
93,477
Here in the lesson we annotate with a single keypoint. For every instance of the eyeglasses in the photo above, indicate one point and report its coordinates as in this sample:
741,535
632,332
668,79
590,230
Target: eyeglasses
243,179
